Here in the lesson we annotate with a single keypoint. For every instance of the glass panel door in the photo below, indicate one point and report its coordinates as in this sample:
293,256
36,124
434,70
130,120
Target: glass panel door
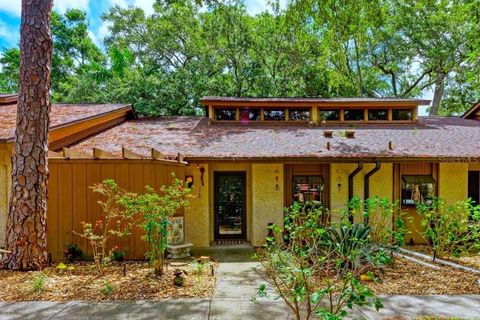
229,205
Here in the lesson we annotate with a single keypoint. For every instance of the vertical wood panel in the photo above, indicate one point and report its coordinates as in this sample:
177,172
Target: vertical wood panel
79,201
64,194
52,212
72,201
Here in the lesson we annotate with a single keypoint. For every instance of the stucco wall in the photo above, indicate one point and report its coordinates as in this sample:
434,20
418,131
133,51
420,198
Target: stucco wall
5,184
197,217
453,182
381,184
267,199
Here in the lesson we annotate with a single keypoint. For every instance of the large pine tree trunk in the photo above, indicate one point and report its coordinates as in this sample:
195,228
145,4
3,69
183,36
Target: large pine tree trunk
27,220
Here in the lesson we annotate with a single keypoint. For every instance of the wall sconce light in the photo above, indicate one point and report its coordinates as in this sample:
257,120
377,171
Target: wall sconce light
202,171
189,181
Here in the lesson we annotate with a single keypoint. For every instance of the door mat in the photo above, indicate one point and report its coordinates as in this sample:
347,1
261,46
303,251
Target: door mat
228,242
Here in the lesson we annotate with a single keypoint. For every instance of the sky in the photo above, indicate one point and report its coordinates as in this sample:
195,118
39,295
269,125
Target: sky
10,15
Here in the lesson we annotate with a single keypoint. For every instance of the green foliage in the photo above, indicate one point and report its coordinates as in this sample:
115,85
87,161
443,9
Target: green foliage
117,254
164,62
37,283
116,220
156,210
451,229
352,247
72,252
385,219
107,289
301,265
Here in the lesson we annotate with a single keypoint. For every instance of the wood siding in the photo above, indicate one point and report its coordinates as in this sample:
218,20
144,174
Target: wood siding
71,201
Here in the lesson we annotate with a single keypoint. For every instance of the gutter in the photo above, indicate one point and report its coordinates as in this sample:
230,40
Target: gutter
350,186
366,183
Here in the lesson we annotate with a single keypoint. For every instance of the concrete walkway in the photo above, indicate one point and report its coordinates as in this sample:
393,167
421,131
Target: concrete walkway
236,284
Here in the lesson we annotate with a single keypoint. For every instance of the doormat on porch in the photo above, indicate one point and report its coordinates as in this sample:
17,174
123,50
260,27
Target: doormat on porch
228,242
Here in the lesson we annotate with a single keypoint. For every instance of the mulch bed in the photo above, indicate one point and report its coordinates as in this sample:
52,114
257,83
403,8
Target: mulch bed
472,261
84,283
409,278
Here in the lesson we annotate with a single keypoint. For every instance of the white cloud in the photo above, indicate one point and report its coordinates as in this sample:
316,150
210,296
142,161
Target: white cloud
62,5
13,7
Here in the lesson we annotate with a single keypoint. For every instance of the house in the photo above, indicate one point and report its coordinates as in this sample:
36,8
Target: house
248,158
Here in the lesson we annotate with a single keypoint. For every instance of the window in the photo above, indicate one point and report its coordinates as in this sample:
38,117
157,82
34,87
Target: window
402,114
308,188
353,115
330,115
417,189
299,114
225,114
274,114
377,114
249,115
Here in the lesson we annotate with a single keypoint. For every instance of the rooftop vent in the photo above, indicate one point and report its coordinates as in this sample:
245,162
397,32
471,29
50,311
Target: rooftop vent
328,133
350,134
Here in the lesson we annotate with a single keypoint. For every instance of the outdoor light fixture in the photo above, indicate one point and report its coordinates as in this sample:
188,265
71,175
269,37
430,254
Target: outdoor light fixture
189,181
202,171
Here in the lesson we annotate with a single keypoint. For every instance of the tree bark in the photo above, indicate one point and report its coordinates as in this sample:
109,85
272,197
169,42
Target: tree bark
437,93
27,220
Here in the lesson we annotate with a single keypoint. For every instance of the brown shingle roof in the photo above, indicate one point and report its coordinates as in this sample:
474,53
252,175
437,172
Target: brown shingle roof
60,115
431,137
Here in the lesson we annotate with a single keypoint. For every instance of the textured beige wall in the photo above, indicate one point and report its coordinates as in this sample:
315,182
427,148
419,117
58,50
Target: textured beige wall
197,217
381,184
453,182
267,200
5,184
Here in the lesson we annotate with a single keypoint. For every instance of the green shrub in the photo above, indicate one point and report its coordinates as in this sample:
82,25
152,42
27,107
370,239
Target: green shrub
38,282
300,265
450,230
73,252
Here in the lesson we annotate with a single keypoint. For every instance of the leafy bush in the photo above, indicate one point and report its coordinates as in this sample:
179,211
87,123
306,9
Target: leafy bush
353,248
300,265
117,220
450,229
156,210
378,213
73,252
117,254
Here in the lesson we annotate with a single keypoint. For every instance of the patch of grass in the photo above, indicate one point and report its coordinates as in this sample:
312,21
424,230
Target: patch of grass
37,283
107,289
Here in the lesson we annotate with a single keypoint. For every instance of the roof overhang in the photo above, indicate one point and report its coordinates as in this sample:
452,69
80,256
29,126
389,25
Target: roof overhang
248,101
472,112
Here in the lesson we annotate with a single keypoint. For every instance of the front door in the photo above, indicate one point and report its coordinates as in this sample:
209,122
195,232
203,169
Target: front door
229,205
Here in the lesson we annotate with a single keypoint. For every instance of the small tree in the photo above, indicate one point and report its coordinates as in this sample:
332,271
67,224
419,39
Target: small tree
117,220
157,210
450,229
302,265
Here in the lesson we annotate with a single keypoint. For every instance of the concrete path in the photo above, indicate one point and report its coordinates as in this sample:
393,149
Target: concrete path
236,285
